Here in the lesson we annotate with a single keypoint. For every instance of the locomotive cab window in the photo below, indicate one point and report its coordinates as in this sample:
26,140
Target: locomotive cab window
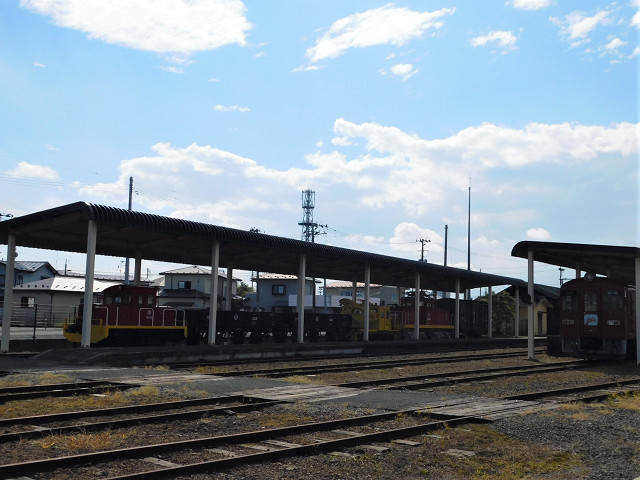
140,300
590,302
612,301
569,303
150,301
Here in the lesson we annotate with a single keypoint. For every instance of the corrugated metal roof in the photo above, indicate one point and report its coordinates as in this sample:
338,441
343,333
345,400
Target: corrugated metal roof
63,284
610,260
125,233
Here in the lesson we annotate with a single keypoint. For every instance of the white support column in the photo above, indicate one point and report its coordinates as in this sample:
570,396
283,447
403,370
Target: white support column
366,309
490,312
416,308
456,318
138,269
227,303
301,282
532,354
92,234
516,327
9,282
354,290
213,293
637,310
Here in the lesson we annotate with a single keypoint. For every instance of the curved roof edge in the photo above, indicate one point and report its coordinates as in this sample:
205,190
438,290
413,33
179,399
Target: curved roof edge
609,260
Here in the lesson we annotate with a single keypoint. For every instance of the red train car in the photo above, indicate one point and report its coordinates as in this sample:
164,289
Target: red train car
433,320
128,315
597,318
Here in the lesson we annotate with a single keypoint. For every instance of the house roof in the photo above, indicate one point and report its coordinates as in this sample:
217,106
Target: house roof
63,284
127,233
612,261
30,266
350,285
192,270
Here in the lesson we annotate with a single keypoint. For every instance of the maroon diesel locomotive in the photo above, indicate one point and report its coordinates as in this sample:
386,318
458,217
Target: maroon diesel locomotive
597,318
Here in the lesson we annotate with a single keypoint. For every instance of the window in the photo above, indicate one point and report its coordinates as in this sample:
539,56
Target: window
27,302
590,302
140,299
19,279
569,302
612,301
150,301
278,290
184,285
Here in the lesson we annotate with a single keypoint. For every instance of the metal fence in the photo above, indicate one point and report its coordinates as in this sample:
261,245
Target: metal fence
39,316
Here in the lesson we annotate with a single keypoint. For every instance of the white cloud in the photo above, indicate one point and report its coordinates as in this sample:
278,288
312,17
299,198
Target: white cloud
635,21
231,108
39,65
531,4
29,170
387,25
52,148
504,39
539,234
402,70
169,26
614,45
577,27
392,170
406,238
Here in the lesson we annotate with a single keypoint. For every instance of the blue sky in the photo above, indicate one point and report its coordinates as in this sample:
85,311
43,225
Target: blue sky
224,111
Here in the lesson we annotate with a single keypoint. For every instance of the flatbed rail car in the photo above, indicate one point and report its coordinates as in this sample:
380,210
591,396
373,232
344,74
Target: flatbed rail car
128,315
256,327
597,318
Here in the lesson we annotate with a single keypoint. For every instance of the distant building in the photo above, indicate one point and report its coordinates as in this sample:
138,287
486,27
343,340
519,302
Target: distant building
25,272
383,294
191,287
544,309
51,300
278,293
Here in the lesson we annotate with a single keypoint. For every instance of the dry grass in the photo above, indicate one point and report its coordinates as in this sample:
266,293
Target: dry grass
28,379
494,456
84,442
141,395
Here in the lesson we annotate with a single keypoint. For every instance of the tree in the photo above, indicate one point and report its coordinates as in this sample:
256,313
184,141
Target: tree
243,289
503,312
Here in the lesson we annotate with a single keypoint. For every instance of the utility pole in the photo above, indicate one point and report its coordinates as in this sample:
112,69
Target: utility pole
422,241
126,263
561,279
446,240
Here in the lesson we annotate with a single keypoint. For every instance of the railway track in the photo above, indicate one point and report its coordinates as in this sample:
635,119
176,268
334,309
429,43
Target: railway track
59,390
278,372
433,349
210,454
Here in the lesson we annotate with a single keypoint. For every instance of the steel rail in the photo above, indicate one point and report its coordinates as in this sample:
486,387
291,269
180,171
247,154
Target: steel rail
464,376
340,367
60,390
564,391
135,421
35,466
346,356
144,408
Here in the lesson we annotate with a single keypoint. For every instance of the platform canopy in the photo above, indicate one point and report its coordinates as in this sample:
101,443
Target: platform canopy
131,234
608,260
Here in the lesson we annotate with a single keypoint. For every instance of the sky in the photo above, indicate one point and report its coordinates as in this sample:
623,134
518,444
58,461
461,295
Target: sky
395,114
